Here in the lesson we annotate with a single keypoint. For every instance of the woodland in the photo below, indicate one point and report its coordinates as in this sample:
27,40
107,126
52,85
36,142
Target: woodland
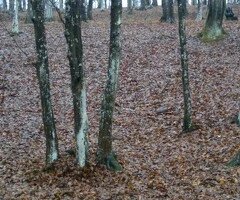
159,160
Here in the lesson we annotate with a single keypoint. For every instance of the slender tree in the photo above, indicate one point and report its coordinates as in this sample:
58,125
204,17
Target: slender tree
52,152
4,4
164,11
15,28
130,7
49,12
213,29
154,3
187,122
143,5
170,19
29,13
89,9
78,85
105,154
199,14
83,10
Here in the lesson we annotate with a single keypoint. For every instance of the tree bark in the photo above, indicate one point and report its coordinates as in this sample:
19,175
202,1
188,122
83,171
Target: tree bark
154,3
78,85
15,28
143,5
130,7
105,154
199,14
4,4
49,13
170,19
89,10
213,28
52,152
164,11
83,10
187,121
29,13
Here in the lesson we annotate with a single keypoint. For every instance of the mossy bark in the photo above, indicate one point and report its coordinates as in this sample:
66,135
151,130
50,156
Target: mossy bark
187,121
52,152
213,29
105,153
75,57
235,161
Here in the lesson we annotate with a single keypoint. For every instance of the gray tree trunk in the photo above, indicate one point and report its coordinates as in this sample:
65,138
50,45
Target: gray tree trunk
48,11
187,121
199,14
61,5
164,11
213,28
143,5
11,7
15,28
130,6
170,19
52,152
83,10
29,13
105,154
154,3
4,4
89,10
78,85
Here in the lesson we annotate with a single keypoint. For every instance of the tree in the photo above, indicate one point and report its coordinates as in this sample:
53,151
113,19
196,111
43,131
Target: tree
4,4
49,13
143,5
199,14
164,11
105,154
235,161
89,10
83,10
29,13
15,28
130,6
187,121
154,3
52,152
170,19
78,85
213,28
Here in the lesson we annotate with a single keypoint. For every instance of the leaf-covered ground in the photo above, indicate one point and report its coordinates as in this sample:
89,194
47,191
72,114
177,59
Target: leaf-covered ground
159,162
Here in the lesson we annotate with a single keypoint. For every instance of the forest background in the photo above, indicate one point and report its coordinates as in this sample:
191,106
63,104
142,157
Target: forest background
158,161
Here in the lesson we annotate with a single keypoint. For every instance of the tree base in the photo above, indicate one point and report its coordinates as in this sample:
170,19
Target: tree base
110,162
235,161
208,35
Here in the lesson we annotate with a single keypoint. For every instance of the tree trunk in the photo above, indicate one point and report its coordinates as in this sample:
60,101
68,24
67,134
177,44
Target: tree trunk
105,153
213,28
154,3
89,10
4,4
24,5
75,57
83,10
11,7
20,5
164,11
143,5
61,5
49,13
170,19
52,152
15,28
129,7
235,161
29,13
199,14
187,122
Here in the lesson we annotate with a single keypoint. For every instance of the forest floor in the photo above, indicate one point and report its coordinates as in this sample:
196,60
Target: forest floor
159,161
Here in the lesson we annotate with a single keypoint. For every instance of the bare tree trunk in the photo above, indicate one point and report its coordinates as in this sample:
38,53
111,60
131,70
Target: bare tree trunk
143,5
61,5
213,28
154,3
105,154
199,14
187,122
164,11
78,85
89,10
15,28
29,13
52,152
170,19
83,10
4,4
49,13
130,7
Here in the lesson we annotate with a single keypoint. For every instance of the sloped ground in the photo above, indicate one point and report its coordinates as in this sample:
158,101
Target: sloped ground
159,162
